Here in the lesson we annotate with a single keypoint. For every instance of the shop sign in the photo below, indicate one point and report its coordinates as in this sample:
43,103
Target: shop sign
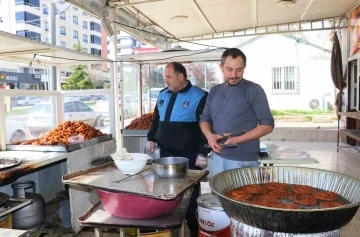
18,77
146,50
5,77
37,76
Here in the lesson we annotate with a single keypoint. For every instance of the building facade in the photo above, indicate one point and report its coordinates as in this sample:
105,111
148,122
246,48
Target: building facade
30,18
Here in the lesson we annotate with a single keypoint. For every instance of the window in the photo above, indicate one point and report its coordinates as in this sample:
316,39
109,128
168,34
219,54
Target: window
75,8
63,44
85,24
62,1
46,26
33,3
118,50
95,26
46,40
27,18
63,16
76,20
108,42
45,9
85,14
1,19
96,51
85,50
108,52
29,34
75,34
85,38
95,39
62,30
285,80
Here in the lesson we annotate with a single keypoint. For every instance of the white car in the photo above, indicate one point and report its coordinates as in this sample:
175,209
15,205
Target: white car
31,100
15,130
40,117
102,106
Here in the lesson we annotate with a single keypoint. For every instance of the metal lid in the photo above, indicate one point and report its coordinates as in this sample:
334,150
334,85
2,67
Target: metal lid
210,201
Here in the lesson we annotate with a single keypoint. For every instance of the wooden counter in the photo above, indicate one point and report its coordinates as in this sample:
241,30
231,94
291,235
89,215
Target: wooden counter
30,160
352,133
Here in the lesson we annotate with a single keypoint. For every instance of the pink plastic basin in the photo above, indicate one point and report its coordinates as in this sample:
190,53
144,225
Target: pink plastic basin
130,206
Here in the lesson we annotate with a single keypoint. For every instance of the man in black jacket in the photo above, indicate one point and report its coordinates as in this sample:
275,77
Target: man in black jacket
176,129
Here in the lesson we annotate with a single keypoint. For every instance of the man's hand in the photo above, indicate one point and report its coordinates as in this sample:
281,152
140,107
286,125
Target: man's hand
201,161
212,141
150,146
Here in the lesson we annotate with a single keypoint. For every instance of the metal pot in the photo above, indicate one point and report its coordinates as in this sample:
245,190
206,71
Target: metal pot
170,167
282,220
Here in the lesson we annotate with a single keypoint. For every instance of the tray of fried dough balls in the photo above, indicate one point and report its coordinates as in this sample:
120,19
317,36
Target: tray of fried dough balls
66,137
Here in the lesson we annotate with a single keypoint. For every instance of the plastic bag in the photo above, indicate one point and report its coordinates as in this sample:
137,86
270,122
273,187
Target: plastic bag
76,139
201,161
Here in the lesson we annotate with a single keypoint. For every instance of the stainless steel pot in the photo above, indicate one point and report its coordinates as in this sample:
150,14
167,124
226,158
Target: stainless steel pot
284,220
170,167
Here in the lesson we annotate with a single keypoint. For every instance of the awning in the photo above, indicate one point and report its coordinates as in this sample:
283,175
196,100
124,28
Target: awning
16,48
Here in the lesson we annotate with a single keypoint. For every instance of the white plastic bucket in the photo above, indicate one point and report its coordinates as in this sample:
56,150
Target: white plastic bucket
212,218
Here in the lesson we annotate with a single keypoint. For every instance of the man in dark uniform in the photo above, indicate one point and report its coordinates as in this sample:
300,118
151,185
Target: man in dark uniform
175,127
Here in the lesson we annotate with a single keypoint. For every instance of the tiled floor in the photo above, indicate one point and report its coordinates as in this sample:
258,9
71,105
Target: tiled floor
346,161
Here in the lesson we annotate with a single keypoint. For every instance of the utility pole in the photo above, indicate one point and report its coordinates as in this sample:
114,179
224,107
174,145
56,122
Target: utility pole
52,40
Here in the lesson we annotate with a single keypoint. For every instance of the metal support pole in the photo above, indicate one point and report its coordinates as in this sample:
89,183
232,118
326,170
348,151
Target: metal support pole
121,84
138,79
98,232
114,112
2,124
52,40
205,76
149,76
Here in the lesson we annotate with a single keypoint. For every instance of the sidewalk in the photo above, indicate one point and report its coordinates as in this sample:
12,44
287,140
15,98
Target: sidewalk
280,124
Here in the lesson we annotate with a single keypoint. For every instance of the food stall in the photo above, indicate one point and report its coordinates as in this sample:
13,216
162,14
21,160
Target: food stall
45,159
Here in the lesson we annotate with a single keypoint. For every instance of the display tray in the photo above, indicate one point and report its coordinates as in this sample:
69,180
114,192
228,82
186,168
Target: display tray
97,217
59,148
145,183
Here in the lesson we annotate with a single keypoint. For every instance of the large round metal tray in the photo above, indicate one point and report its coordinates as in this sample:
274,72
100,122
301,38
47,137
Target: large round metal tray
282,220
6,163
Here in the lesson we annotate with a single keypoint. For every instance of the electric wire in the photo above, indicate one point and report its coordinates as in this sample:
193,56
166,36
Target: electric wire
122,61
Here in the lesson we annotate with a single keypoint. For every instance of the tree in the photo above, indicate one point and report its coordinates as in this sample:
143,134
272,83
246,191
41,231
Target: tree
196,72
79,79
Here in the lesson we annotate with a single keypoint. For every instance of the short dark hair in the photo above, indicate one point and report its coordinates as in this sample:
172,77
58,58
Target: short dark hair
178,68
234,53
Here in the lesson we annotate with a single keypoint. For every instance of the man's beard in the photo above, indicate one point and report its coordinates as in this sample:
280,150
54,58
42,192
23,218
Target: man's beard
237,78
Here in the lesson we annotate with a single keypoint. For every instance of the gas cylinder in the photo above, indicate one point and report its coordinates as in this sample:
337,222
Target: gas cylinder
31,216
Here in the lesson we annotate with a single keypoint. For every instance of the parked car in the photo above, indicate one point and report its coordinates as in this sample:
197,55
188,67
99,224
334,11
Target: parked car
85,97
15,130
40,117
130,106
72,98
31,100
150,97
